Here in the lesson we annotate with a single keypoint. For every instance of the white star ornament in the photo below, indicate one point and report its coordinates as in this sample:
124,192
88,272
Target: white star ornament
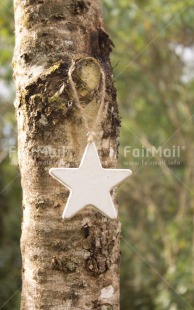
90,184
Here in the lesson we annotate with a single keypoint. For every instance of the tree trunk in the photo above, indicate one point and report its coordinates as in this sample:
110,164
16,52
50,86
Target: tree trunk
71,264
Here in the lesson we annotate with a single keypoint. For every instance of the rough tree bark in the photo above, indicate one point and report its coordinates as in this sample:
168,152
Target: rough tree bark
70,264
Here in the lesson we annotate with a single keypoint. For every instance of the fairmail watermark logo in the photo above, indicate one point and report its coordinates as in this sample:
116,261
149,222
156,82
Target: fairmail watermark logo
43,155
153,155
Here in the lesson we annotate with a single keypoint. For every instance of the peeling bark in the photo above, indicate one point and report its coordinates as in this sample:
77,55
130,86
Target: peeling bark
70,264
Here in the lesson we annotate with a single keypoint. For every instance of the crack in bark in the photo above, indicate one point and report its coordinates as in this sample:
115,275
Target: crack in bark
99,245
80,7
61,265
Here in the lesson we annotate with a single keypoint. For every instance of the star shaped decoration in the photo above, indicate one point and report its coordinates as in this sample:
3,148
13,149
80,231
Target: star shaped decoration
90,184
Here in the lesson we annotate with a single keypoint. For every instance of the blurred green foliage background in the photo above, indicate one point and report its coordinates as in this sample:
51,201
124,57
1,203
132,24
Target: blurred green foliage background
153,64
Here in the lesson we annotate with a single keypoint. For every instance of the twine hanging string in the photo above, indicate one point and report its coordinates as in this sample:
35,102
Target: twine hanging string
91,132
